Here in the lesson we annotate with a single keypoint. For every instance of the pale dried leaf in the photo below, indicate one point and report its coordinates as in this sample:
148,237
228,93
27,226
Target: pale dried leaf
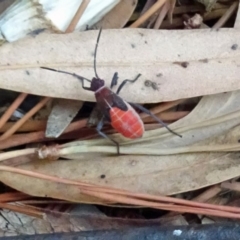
165,175
155,174
62,114
211,68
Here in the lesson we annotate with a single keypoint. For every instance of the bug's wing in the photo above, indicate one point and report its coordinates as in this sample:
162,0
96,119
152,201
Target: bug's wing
119,102
107,99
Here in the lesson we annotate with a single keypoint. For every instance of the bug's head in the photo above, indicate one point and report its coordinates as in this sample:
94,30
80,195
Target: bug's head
96,83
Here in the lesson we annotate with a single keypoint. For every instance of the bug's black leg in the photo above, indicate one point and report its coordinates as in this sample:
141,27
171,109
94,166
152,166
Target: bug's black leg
72,74
99,128
114,80
155,117
125,81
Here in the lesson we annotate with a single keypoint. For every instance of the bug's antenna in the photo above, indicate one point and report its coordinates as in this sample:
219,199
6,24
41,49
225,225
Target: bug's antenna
69,73
95,53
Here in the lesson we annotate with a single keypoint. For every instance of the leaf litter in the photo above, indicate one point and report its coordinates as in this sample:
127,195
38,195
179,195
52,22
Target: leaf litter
159,164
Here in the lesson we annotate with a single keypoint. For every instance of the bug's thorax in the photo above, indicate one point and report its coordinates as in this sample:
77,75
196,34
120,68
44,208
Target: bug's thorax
100,89
103,92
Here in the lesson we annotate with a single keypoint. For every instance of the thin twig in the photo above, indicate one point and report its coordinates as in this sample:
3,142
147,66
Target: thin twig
20,139
44,202
234,186
77,16
29,126
12,108
208,194
168,207
162,14
20,209
203,197
226,16
13,196
147,5
20,122
167,116
148,14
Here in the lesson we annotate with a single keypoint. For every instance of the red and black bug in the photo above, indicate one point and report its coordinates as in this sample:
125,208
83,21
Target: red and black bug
115,110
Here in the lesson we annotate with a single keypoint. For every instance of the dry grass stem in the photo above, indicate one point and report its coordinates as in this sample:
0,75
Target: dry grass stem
12,108
77,16
154,8
162,14
21,209
234,186
208,194
147,150
29,126
148,4
20,139
162,206
13,196
162,107
167,116
17,153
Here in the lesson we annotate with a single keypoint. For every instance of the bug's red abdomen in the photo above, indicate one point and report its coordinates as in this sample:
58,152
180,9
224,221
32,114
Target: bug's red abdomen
128,123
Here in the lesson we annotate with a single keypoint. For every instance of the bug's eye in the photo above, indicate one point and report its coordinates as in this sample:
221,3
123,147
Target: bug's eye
96,84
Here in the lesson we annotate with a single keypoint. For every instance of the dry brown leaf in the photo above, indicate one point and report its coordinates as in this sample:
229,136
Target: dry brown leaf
5,4
119,15
190,64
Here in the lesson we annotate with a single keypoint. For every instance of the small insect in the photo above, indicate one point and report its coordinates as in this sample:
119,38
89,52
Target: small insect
121,114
